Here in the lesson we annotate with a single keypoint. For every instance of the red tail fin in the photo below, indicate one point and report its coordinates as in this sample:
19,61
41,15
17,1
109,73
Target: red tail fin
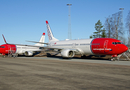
4,39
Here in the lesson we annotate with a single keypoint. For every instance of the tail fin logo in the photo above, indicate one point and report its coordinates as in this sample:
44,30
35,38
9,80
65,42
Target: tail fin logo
49,34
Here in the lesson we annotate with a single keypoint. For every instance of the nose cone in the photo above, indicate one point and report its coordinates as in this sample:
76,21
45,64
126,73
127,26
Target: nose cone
121,49
124,48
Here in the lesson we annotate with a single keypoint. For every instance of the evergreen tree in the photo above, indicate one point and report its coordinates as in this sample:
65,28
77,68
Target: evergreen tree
103,33
91,37
99,31
98,27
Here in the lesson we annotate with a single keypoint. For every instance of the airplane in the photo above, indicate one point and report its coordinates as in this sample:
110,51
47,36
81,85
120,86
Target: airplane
98,46
19,49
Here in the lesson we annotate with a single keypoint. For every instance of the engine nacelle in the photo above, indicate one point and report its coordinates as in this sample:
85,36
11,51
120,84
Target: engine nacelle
28,53
67,53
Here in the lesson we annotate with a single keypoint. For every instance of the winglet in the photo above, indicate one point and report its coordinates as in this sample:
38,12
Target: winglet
4,39
46,22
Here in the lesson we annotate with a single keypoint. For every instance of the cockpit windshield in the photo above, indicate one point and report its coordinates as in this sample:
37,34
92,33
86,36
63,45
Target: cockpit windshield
117,43
2,46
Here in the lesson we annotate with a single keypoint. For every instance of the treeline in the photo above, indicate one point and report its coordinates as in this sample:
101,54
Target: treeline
113,27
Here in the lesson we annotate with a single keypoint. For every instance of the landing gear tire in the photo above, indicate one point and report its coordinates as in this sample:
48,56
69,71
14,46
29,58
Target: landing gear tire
83,57
49,55
4,56
113,59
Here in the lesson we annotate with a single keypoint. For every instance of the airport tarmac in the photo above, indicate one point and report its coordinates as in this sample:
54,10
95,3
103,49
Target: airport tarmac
43,73
100,61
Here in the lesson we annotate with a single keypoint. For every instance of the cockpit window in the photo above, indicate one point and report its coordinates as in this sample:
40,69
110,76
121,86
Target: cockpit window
117,43
2,46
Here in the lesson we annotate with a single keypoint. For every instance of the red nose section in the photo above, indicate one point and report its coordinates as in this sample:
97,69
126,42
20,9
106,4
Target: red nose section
124,48
121,49
108,46
7,48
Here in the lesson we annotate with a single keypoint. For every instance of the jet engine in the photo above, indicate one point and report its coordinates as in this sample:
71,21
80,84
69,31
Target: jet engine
28,53
67,53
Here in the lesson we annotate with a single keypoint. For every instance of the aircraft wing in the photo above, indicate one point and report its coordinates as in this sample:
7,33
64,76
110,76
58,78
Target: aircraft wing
38,42
60,49
27,45
65,52
24,44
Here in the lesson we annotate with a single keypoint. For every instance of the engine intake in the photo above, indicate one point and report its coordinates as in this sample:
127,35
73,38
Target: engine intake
67,53
28,53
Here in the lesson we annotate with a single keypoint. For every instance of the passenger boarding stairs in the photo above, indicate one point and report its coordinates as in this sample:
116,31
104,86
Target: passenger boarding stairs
125,55
11,53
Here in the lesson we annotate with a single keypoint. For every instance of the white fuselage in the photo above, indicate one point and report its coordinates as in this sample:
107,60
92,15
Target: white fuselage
23,49
83,45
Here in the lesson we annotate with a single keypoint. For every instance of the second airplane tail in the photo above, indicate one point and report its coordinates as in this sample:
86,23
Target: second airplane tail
50,35
41,40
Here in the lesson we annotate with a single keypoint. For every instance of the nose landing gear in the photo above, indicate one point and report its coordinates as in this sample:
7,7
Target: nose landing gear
114,57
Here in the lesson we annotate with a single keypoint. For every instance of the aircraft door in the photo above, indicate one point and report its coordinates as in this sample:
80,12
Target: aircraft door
11,49
106,49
